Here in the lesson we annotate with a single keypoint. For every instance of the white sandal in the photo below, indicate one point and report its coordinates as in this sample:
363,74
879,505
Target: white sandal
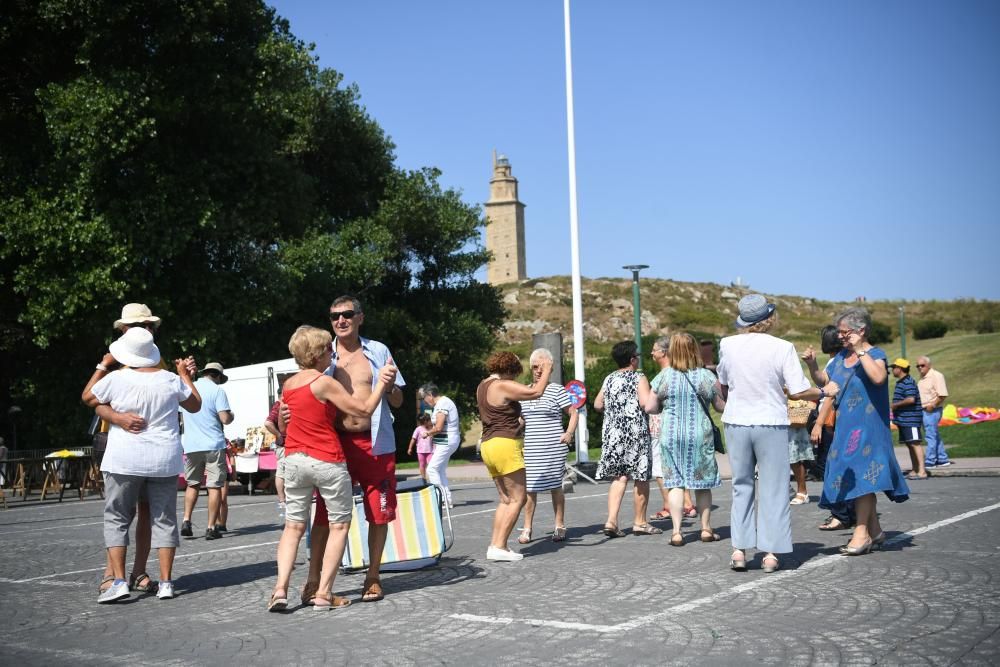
525,536
799,499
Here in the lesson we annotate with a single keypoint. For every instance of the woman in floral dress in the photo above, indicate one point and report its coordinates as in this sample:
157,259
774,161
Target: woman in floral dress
625,446
686,445
861,461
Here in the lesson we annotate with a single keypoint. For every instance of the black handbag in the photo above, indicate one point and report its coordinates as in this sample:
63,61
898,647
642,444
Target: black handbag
716,434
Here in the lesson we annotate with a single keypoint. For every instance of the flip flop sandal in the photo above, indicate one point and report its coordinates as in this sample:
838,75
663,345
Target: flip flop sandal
372,591
323,603
278,602
134,579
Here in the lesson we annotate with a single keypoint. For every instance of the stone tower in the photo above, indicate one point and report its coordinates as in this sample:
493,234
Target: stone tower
505,228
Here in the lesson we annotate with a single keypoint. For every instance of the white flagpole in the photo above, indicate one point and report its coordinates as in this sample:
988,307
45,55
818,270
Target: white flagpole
578,351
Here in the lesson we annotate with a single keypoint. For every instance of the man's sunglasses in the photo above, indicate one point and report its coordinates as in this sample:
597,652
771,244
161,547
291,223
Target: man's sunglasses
346,314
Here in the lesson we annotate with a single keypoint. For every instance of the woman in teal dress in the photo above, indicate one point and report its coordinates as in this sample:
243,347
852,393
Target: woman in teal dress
687,448
861,461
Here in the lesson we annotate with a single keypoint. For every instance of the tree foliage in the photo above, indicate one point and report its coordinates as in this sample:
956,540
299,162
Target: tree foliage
193,156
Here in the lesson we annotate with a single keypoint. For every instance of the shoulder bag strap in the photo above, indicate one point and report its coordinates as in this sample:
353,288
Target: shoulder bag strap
704,406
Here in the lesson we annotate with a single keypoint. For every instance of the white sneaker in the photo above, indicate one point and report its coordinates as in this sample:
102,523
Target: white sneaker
492,553
165,590
117,591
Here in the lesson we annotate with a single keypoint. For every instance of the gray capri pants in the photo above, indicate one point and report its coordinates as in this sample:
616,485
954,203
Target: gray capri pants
767,526
122,492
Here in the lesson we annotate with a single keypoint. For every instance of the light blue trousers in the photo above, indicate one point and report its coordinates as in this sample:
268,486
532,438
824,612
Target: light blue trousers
934,454
766,523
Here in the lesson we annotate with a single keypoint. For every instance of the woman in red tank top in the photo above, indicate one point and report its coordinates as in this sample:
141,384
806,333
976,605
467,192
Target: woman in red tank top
315,460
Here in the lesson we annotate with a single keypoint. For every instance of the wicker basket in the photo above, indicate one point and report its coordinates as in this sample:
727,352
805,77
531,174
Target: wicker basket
798,413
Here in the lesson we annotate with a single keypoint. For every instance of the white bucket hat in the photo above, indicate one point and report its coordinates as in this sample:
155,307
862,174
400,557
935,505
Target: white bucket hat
136,349
137,313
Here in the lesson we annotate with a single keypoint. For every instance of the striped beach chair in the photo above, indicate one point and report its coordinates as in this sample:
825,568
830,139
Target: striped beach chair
421,532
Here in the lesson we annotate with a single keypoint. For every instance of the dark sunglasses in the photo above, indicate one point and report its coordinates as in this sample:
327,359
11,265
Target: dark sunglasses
346,314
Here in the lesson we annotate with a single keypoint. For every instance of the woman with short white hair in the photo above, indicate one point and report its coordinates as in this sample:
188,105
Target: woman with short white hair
545,446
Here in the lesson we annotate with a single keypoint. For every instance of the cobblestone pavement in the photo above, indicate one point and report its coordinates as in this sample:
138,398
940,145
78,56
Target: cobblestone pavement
931,598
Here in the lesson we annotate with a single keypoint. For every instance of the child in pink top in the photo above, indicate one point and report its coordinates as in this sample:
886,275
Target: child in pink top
422,439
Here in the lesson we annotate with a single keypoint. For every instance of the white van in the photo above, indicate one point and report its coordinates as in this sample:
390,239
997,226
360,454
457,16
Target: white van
252,390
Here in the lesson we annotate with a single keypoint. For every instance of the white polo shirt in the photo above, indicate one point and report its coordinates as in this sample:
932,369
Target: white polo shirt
757,367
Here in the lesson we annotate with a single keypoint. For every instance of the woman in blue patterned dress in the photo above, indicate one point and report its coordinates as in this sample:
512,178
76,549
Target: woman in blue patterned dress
861,461
625,451
686,445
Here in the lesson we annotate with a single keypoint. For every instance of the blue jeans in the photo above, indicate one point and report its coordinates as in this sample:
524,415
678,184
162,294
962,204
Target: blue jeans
935,454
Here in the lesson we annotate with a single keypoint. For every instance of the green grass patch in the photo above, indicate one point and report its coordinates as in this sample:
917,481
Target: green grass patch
972,440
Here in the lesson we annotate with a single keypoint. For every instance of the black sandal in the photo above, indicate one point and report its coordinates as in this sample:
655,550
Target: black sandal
134,579
828,524
613,531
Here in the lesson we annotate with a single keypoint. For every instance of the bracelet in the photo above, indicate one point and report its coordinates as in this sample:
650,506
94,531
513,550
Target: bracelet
101,367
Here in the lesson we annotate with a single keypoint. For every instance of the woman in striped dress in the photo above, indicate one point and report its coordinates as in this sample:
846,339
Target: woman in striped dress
545,445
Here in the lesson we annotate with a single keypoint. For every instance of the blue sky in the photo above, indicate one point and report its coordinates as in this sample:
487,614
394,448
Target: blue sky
832,149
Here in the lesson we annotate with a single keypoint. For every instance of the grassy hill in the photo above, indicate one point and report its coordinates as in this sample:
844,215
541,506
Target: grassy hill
969,355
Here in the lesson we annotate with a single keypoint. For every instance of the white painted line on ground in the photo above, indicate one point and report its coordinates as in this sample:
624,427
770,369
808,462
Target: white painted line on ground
540,502
4,580
808,566
98,523
153,555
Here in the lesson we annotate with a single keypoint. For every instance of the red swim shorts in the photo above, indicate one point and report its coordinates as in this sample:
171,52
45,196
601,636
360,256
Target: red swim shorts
375,473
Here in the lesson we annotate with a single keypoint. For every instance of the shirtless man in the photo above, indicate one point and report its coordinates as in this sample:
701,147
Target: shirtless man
369,444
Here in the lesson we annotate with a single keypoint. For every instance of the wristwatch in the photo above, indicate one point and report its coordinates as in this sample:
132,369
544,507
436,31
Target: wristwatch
861,353
822,394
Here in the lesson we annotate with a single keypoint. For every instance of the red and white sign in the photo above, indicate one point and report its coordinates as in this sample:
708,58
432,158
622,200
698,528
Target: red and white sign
578,392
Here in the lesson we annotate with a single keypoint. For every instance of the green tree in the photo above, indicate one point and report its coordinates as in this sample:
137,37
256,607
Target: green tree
192,155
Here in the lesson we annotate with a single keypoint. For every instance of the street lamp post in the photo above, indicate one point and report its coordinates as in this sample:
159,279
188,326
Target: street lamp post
902,332
635,269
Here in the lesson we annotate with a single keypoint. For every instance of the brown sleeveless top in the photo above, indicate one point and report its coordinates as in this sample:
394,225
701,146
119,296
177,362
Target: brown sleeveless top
499,422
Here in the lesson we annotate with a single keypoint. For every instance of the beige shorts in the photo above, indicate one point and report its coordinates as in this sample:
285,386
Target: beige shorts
210,464
279,453
303,473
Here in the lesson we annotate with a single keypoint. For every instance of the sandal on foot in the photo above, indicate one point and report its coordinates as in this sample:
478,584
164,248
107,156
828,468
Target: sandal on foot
799,499
690,511
613,531
660,516
833,523
770,563
278,601
646,529
525,536
108,580
676,540
322,602
135,583
372,591
309,592
709,536
559,534
738,564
